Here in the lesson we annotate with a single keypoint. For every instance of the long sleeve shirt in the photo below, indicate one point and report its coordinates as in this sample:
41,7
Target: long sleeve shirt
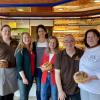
90,63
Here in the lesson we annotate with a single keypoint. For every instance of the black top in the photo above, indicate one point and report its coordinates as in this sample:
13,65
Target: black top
68,66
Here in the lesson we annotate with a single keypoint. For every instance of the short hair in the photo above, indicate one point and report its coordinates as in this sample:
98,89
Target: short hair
70,35
95,32
5,26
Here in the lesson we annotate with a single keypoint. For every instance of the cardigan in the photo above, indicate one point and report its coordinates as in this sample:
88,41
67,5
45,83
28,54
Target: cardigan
23,63
45,59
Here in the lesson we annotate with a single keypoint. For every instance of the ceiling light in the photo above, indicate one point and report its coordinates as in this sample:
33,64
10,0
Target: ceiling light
3,17
60,9
95,16
66,7
20,9
97,1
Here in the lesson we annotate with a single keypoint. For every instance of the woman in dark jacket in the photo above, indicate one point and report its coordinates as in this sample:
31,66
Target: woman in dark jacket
25,65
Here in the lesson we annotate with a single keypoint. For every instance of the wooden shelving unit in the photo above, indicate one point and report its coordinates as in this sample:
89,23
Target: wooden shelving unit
76,27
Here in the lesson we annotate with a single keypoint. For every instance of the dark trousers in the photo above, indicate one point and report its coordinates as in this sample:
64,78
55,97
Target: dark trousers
7,97
38,83
73,97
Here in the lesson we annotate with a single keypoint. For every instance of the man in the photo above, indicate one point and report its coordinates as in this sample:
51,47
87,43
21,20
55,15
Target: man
67,63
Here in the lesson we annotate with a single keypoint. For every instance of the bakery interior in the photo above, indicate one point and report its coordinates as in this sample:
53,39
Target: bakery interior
60,17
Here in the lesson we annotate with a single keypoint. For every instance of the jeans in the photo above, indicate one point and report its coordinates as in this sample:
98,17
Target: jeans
24,90
45,89
38,83
85,95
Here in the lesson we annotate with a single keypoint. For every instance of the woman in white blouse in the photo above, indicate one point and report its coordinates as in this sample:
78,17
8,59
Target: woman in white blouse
90,63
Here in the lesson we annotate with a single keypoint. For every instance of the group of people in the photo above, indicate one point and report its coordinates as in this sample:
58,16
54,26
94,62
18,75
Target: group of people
22,63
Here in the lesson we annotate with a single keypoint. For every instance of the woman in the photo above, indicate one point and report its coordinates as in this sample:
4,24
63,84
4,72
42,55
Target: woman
39,48
8,76
90,63
48,75
25,65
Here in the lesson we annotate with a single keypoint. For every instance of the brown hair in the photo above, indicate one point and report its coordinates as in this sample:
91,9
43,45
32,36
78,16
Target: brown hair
95,32
57,43
43,27
5,26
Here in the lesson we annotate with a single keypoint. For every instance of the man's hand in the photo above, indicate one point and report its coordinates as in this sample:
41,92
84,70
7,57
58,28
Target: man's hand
61,95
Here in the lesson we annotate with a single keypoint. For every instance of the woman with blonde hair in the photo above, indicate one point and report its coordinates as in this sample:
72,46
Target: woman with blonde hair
25,65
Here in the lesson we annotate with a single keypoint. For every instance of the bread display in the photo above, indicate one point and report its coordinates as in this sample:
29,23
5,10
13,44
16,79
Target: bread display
47,66
80,77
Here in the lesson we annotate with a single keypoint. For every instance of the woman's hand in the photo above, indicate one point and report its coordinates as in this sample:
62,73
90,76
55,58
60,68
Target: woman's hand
90,78
25,81
47,67
61,95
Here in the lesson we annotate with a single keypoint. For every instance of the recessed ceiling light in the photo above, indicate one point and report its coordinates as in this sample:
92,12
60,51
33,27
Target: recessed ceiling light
97,1
60,9
20,9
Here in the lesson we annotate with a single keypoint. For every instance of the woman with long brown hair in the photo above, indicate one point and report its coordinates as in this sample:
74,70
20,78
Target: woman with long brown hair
39,47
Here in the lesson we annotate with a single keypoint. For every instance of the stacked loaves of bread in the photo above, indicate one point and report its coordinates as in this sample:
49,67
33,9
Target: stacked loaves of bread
47,66
80,77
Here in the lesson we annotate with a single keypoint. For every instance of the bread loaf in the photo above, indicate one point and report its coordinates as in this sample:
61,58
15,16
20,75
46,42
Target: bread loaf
47,66
80,77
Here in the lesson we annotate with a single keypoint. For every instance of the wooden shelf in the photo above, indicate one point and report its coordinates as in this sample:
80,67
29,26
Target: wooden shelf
75,27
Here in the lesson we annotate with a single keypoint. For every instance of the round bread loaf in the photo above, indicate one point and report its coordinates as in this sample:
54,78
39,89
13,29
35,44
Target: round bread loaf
47,66
80,77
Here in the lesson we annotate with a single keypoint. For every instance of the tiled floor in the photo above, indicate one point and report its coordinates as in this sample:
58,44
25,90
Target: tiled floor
32,94
30,98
